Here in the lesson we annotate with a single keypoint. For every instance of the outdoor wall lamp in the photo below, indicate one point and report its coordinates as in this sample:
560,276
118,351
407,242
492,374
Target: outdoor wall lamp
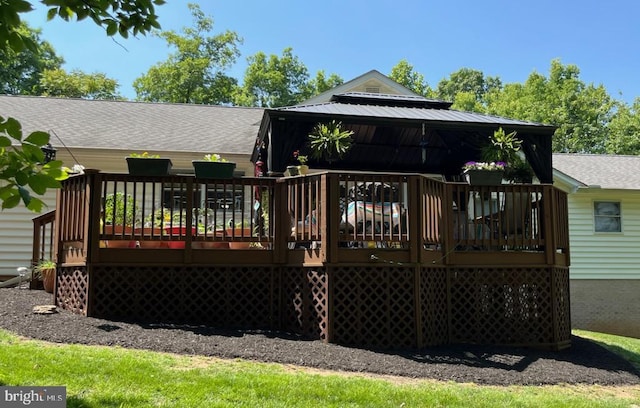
49,152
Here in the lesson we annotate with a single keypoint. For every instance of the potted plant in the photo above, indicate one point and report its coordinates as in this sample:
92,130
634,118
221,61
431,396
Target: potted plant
213,166
507,148
145,164
241,230
484,173
46,270
302,166
119,212
329,142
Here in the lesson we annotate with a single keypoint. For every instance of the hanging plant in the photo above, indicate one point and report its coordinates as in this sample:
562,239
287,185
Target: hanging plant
329,142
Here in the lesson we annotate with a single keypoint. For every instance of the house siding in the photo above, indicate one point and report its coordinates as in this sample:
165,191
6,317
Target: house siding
604,255
605,267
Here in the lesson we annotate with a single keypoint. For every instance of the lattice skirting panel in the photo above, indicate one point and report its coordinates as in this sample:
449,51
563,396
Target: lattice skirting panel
373,306
229,296
516,306
304,304
72,289
433,314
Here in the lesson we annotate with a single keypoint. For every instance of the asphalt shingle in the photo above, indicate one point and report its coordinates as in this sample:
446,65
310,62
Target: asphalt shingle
136,126
606,171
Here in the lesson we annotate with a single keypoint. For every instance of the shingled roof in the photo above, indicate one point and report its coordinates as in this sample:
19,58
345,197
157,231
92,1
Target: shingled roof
138,125
602,170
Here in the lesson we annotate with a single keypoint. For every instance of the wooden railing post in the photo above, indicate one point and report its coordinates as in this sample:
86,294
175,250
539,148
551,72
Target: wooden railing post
330,195
446,226
280,222
93,197
416,221
550,230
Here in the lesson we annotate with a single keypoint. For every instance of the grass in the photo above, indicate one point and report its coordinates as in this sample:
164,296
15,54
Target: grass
627,347
98,376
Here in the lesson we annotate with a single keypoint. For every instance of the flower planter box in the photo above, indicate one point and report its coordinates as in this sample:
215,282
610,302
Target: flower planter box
484,177
213,170
144,166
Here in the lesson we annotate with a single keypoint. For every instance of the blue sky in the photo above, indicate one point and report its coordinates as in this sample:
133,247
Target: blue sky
350,37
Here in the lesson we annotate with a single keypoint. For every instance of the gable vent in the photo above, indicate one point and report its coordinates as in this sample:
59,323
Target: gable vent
373,89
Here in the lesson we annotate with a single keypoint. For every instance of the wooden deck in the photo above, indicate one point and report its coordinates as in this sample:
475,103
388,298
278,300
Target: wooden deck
364,259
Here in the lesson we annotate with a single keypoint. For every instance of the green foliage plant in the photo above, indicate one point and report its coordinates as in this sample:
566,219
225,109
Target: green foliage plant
22,167
120,209
214,158
42,268
329,142
507,147
144,155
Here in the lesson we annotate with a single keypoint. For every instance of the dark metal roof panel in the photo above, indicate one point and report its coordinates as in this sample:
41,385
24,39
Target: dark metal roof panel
406,113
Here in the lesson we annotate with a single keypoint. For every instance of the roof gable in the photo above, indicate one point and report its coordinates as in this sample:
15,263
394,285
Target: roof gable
371,79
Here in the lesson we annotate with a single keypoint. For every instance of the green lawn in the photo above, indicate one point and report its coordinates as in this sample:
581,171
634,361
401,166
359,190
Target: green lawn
115,377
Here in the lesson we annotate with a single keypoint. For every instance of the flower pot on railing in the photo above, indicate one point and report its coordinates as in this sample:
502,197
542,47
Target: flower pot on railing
148,166
484,177
213,170
177,231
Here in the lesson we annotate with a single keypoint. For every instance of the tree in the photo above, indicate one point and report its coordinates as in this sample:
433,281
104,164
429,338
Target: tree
22,170
116,16
404,74
321,83
580,111
467,88
624,129
77,84
274,81
195,72
20,71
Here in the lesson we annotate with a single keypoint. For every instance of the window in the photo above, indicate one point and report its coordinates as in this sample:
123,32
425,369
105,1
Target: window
607,216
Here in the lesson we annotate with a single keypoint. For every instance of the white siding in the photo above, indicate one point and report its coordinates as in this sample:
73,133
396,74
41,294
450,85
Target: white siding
604,255
16,235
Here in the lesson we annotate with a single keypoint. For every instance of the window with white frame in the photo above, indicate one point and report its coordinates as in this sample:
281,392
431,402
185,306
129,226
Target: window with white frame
607,216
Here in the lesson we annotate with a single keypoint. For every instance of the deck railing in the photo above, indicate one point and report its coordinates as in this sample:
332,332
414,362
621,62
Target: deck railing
327,211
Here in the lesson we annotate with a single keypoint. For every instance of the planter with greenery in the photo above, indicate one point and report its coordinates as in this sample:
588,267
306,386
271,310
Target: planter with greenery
145,164
484,173
119,217
507,148
46,270
213,166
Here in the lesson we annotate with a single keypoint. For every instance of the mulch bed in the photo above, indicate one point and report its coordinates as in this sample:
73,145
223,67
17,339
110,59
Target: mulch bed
584,363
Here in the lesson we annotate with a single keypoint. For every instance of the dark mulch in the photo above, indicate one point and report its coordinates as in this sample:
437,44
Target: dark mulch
584,363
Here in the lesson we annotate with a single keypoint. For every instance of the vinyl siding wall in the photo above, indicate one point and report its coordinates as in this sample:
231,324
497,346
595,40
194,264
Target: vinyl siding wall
597,255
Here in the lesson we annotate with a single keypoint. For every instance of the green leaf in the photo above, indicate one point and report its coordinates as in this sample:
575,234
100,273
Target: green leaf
13,128
5,141
112,28
11,202
21,6
52,13
33,153
22,178
36,205
24,194
40,182
38,138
